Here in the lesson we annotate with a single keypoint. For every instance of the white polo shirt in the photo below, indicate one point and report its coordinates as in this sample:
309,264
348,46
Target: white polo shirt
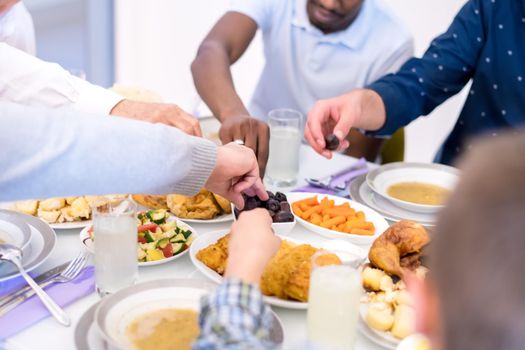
304,65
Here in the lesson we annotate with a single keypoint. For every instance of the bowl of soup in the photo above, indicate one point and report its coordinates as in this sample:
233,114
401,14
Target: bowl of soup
13,230
416,187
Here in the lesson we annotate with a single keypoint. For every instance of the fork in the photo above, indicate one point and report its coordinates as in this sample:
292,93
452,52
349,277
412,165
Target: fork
326,181
70,273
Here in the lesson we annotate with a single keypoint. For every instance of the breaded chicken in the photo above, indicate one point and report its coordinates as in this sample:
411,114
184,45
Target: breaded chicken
202,206
269,285
151,201
214,257
298,283
223,203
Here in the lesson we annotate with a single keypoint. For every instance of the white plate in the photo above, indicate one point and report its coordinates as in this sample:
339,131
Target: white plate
41,245
210,238
385,339
116,312
217,220
88,337
14,230
71,225
380,179
62,226
86,240
370,215
360,192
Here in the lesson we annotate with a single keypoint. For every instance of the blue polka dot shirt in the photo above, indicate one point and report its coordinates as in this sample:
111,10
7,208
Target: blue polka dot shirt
485,43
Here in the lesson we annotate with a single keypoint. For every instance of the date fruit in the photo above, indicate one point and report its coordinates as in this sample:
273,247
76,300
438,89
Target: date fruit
332,142
277,206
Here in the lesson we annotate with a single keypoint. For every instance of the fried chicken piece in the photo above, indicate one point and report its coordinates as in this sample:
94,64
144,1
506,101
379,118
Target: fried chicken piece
277,274
213,257
80,209
202,206
49,216
151,201
399,240
298,284
52,204
27,207
270,286
223,203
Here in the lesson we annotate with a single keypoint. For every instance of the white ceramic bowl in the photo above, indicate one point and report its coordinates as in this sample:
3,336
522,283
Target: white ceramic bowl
371,215
14,231
280,228
380,179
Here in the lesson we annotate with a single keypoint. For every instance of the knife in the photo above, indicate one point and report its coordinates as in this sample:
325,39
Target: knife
40,279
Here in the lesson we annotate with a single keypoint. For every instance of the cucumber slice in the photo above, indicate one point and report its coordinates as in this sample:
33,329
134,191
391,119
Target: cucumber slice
149,237
177,248
178,238
186,233
163,243
157,216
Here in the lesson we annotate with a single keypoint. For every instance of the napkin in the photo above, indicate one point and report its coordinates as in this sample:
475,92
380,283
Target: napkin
341,178
32,310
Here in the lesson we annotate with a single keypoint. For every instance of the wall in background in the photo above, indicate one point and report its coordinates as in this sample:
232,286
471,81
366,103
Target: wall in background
157,40
77,34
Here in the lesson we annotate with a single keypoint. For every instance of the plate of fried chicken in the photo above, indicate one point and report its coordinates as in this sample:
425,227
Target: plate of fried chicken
286,279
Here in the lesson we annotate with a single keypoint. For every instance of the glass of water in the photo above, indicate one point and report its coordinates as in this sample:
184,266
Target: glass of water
115,238
333,303
285,140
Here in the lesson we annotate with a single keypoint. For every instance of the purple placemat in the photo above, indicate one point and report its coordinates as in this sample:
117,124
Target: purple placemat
32,310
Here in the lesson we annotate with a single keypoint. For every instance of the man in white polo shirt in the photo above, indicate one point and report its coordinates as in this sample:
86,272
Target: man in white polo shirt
313,49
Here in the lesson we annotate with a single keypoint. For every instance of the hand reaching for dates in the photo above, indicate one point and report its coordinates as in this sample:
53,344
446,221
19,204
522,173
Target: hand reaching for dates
277,205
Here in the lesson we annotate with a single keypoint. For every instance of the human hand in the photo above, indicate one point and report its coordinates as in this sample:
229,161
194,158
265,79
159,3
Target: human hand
163,113
235,172
360,108
254,133
252,244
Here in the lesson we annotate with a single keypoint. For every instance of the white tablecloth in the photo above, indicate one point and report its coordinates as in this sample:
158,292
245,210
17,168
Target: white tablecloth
48,334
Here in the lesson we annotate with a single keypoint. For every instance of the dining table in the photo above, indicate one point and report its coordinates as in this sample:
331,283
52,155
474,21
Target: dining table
49,334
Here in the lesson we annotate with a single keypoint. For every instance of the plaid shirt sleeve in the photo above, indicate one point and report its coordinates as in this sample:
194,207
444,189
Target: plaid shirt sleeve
235,317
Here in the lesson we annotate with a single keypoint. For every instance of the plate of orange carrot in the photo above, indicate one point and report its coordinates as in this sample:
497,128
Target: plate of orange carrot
336,217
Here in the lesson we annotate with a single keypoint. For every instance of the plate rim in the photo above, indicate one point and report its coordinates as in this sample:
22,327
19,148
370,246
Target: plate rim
7,216
48,236
371,175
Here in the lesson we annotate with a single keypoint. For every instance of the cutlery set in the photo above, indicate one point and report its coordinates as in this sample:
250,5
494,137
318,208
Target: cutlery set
339,182
60,274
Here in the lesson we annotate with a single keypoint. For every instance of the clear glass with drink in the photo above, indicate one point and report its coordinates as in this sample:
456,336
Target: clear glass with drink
285,140
333,304
115,238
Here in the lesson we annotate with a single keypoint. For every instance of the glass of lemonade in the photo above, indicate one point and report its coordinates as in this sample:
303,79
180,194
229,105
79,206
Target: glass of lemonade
333,304
115,238
285,140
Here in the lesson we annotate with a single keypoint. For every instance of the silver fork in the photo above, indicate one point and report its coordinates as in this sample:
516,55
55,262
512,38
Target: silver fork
70,273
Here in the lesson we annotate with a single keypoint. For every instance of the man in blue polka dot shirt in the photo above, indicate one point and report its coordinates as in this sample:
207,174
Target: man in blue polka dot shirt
485,43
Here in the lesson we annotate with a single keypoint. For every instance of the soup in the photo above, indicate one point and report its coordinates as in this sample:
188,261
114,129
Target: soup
164,329
418,192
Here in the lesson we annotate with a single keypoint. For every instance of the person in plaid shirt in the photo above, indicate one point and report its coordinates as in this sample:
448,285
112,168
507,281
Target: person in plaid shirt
235,315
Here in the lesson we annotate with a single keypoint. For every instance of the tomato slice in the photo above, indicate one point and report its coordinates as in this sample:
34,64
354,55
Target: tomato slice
148,227
142,240
168,251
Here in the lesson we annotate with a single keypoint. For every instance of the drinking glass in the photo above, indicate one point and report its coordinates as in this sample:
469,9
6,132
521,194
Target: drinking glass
285,141
115,238
333,304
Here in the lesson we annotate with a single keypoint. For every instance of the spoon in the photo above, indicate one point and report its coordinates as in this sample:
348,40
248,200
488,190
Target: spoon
13,254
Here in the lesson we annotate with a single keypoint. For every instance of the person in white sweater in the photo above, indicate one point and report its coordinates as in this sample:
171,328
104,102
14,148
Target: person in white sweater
62,152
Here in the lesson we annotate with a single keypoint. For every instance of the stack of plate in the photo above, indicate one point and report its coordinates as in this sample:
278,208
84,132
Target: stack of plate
371,190
36,239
